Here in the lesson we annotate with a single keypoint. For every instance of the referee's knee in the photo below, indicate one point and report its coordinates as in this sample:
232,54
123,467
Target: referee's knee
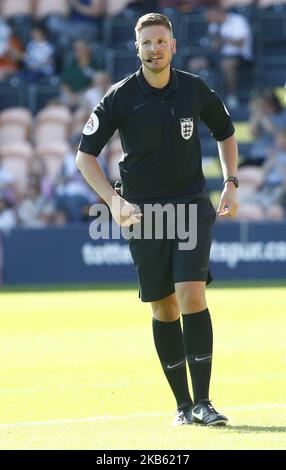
191,296
166,309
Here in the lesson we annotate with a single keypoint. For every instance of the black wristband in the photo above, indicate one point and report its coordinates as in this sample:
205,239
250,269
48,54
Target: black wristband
233,179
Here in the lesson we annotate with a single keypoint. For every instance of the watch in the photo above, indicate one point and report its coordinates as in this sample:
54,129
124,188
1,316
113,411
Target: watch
233,179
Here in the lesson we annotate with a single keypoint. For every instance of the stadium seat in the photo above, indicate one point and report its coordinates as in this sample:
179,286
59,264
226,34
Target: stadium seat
10,8
40,95
273,4
19,14
241,113
189,52
17,158
52,124
120,63
273,48
235,3
116,8
12,93
246,9
175,17
119,32
273,72
45,8
271,25
193,30
15,125
53,154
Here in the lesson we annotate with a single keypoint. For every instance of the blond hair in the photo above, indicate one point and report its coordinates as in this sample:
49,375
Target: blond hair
153,19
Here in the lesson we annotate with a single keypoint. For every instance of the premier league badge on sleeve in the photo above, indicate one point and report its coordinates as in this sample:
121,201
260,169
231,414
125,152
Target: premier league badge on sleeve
187,126
91,125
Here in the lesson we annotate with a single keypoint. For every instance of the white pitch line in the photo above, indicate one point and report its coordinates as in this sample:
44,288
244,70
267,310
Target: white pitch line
127,417
81,420
60,388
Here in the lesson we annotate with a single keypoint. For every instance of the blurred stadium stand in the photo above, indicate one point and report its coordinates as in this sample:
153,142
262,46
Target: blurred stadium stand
17,158
118,53
271,45
193,30
44,8
15,125
119,62
52,124
53,154
34,122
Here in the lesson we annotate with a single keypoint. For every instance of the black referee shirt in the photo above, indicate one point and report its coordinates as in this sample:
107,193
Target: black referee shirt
161,158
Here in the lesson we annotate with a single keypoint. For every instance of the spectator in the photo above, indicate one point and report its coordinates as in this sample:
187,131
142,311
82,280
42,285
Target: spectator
101,83
39,175
35,210
138,7
231,39
141,7
38,57
7,215
78,76
186,6
275,177
73,196
85,22
234,3
267,201
200,65
269,3
7,182
113,157
10,51
266,117
5,34
115,8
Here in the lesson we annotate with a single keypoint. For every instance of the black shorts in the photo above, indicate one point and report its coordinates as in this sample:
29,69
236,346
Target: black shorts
242,62
160,263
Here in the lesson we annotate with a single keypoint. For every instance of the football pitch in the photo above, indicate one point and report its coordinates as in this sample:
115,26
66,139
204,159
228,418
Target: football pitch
79,371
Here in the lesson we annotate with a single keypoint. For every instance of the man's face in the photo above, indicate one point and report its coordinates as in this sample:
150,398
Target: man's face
156,47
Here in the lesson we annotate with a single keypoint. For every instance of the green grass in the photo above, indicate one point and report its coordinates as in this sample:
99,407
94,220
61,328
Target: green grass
79,371
130,285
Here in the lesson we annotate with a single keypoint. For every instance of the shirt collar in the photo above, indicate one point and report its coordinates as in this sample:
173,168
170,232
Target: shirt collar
173,84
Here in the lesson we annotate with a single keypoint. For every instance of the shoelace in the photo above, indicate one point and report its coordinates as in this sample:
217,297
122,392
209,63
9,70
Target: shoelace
211,408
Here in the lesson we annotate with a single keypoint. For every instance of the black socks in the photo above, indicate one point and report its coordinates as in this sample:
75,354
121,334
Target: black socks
198,340
196,343
169,344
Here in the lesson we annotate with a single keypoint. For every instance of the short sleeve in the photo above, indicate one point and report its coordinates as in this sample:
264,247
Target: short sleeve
99,128
214,113
240,29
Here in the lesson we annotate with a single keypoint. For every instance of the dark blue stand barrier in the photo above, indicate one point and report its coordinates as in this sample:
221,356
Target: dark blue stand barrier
245,251
249,250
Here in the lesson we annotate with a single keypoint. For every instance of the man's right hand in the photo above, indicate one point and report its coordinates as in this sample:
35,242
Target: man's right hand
124,213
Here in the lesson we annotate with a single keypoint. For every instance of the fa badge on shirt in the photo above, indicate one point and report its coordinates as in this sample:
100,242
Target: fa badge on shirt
187,125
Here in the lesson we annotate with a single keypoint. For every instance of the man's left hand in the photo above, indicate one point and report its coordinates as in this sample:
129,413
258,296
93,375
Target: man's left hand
228,202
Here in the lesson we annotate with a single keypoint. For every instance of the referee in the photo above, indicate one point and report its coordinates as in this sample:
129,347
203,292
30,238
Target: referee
157,110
